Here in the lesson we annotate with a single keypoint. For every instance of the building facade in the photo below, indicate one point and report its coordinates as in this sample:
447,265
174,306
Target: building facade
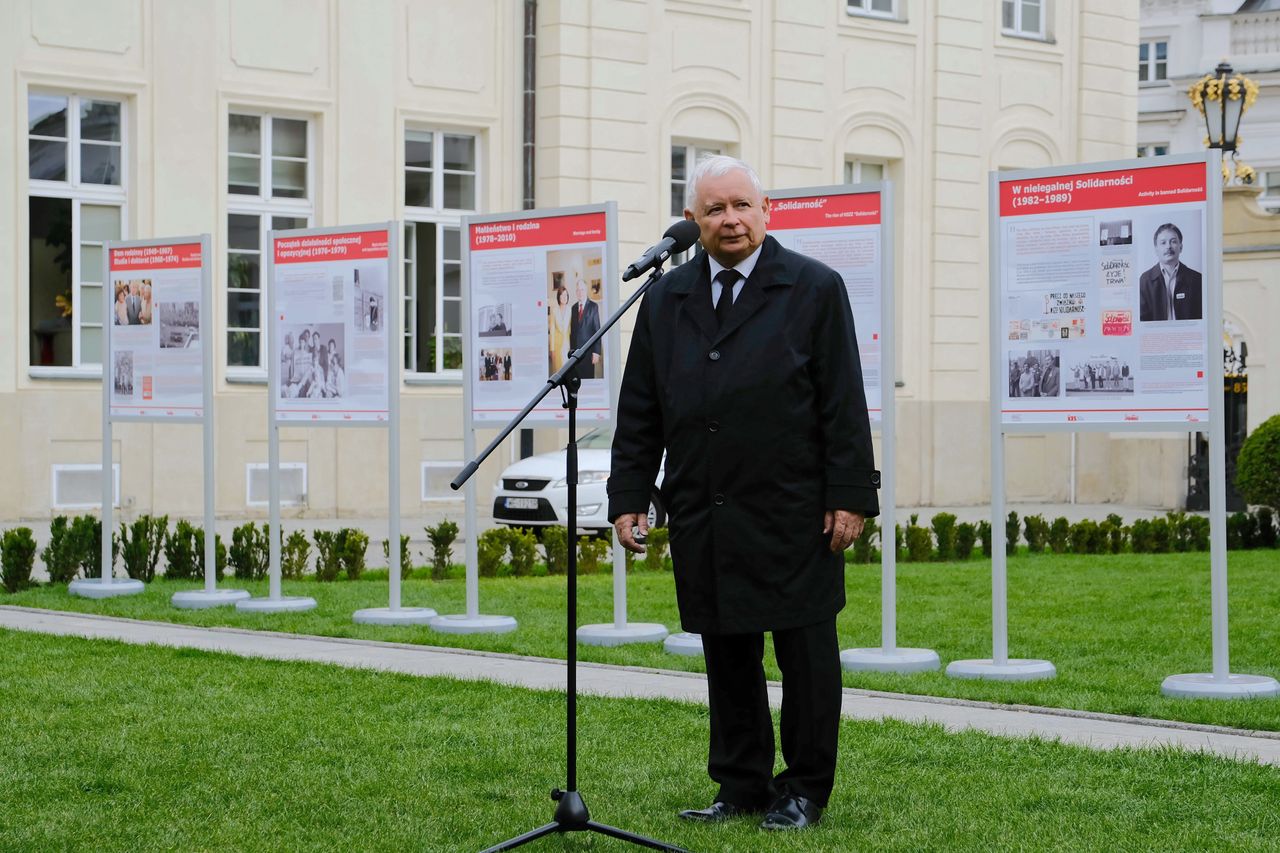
143,118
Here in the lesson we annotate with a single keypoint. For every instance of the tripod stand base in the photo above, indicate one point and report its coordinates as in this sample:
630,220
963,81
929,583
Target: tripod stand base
683,643
617,635
98,588
461,623
898,660
1202,685
572,816
203,600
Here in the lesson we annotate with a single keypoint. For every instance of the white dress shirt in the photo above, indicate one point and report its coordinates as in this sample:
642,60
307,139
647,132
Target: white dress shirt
744,269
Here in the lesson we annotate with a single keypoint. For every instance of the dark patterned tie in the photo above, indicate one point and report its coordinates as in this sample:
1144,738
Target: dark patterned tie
727,279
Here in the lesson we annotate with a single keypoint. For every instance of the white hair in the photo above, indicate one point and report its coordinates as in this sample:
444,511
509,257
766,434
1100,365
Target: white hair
715,165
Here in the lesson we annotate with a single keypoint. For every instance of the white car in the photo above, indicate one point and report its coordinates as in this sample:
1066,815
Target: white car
533,492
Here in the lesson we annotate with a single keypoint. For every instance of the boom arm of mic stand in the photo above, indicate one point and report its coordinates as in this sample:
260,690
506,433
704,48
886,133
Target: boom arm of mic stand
554,381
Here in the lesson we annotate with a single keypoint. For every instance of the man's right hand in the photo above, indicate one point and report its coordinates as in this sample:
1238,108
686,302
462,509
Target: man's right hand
626,524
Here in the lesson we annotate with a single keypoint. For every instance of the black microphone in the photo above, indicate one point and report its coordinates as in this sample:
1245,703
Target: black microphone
679,237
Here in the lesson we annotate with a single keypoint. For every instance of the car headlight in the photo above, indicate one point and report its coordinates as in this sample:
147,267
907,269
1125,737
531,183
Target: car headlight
584,477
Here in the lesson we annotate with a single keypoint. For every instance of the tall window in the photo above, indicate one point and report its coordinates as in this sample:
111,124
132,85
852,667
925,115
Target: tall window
1153,61
441,183
863,171
1270,181
269,187
1158,149
1023,18
683,159
873,8
76,199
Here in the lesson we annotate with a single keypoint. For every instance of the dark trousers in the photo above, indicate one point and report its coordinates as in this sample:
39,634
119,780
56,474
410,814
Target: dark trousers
742,751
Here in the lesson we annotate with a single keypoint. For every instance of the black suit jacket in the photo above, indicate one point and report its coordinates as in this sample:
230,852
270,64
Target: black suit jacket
1153,300
765,425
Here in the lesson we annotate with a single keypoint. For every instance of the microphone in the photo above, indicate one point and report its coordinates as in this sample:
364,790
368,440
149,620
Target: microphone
679,237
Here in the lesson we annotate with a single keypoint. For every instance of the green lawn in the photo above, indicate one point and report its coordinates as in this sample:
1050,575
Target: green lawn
115,747
1114,626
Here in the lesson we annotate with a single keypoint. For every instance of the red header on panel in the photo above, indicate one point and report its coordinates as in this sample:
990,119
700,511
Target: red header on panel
824,211
169,257
1102,190
548,231
357,246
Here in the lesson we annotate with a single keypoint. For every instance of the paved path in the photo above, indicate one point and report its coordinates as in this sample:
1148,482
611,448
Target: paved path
1099,731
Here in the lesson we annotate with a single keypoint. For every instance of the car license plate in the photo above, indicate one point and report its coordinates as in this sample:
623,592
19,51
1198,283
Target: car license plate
521,503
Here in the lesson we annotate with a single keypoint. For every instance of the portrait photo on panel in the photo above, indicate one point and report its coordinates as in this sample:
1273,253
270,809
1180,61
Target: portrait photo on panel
1035,373
495,365
494,321
1171,258
179,325
575,307
133,305
313,361
370,295
1107,375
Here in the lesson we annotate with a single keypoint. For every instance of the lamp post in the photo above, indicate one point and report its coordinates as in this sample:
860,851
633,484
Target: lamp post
1222,98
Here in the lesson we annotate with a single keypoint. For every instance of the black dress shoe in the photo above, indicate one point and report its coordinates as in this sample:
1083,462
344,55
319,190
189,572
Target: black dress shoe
717,812
791,811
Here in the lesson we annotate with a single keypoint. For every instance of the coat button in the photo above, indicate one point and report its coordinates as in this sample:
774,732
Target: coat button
714,355
719,500
714,426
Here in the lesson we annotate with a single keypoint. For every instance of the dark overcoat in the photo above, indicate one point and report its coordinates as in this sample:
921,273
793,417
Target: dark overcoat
765,427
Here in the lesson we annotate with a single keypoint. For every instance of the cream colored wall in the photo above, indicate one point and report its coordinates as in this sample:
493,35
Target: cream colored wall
794,87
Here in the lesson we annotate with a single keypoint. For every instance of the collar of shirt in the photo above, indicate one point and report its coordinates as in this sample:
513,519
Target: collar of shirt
744,268
1169,273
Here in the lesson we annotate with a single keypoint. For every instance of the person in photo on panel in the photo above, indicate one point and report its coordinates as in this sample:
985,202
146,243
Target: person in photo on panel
744,368
122,307
144,314
1049,378
584,321
1170,290
558,323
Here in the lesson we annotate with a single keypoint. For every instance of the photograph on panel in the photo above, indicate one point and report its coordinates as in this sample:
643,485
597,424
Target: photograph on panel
313,361
575,307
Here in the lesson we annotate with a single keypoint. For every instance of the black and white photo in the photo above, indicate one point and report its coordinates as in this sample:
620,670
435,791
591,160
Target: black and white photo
1171,287
1035,373
313,361
179,325
122,374
369,298
1118,232
494,321
1089,375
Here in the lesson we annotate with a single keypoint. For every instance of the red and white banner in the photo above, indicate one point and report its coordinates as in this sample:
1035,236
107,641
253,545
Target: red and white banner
1102,296
154,330
537,287
363,245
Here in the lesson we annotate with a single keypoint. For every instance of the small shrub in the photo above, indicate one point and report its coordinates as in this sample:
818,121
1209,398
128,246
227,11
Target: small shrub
1258,465
86,530
1036,531
1086,537
1266,527
17,558
1011,528
1197,532
944,534
524,551
1179,533
984,534
1116,534
1161,536
966,536
1059,534
180,552
140,546
655,549
864,545
62,555
591,552
250,553
352,545
441,536
406,560
219,555
555,542
899,543
491,547
1242,529
919,541
328,554
1140,536
295,553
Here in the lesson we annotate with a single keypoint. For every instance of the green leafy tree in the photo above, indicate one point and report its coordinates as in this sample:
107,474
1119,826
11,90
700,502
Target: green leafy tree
441,536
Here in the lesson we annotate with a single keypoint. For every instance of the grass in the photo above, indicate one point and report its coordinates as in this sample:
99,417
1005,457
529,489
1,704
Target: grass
111,747
1115,626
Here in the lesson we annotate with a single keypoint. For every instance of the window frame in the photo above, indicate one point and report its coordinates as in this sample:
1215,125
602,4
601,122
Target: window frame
440,218
79,193
864,9
1020,31
1269,197
1152,63
693,150
1149,149
852,172
265,208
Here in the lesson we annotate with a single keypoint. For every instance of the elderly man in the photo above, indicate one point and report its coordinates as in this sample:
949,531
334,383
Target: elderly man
744,368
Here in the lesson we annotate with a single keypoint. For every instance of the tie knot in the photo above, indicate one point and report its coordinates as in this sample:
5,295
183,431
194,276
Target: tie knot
728,278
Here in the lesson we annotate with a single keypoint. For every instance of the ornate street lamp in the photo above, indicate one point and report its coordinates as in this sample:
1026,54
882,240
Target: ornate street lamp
1222,98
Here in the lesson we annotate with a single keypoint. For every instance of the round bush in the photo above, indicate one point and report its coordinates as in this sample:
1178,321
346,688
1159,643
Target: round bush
1258,466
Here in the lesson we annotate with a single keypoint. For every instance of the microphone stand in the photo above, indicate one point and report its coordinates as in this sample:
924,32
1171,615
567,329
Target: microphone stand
571,813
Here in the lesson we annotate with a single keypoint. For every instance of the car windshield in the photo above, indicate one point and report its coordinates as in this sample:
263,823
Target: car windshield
600,438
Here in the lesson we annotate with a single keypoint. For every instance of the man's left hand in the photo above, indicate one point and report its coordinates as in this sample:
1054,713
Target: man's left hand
844,527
